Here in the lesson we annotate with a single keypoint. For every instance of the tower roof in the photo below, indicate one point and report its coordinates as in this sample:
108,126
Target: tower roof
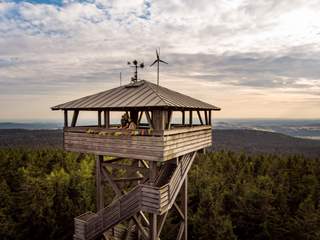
140,95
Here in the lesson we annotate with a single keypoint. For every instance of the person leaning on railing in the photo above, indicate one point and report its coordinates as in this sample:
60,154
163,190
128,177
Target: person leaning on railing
127,123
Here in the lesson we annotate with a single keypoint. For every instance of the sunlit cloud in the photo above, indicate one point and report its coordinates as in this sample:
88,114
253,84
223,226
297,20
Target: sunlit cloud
257,53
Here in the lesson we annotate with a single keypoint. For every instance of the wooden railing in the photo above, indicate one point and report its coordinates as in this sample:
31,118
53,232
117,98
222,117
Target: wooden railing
143,197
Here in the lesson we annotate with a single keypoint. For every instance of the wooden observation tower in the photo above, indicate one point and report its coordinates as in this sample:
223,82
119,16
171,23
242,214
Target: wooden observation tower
145,166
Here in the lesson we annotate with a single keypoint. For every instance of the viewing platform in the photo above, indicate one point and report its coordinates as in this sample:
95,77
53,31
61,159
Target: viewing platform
147,144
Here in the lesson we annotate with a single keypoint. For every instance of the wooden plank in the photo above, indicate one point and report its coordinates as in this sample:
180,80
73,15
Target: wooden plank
143,151
124,155
110,145
88,138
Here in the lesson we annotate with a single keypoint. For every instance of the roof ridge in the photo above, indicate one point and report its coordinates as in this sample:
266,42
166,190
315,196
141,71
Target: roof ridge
150,85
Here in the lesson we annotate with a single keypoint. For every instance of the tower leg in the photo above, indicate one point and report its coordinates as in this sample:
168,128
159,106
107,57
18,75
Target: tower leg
99,186
154,228
185,207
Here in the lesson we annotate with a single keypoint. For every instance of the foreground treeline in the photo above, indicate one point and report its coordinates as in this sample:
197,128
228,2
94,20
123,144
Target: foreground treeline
231,196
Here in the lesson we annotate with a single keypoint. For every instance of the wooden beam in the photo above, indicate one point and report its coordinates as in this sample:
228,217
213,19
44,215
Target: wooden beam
106,119
144,163
210,117
149,119
190,118
181,230
180,212
114,186
65,118
124,166
144,218
128,179
75,118
200,118
99,186
140,226
162,220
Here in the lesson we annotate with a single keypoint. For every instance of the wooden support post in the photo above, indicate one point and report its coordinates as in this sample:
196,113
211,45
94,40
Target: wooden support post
184,202
210,117
169,119
183,118
140,117
99,186
106,119
149,119
99,118
190,118
75,118
206,117
152,172
65,118
200,118
134,116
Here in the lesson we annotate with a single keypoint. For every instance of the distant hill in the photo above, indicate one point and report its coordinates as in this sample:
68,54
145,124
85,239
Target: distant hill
250,141
31,138
33,125
254,141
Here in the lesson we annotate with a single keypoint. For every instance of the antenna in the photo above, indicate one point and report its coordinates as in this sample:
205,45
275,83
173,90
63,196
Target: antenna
136,65
120,79
158,60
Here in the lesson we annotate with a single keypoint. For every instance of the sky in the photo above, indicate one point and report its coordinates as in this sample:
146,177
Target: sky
254,59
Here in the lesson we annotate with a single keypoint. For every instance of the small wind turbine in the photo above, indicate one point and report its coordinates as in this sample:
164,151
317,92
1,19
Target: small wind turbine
158,60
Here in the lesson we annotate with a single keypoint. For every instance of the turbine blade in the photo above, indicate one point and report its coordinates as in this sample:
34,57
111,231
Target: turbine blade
163,61
157,53
154,63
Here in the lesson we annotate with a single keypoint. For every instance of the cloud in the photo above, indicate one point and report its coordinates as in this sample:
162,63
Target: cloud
49,47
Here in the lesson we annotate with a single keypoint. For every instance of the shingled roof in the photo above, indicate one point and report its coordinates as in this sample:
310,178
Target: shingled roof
142,95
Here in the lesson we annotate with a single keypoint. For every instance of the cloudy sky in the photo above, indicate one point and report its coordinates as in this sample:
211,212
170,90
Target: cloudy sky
254,58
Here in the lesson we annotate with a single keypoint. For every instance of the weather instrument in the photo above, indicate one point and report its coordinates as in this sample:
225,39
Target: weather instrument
158,60
135,65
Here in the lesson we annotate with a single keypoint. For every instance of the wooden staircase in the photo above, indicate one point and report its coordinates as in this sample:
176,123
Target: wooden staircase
157,199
